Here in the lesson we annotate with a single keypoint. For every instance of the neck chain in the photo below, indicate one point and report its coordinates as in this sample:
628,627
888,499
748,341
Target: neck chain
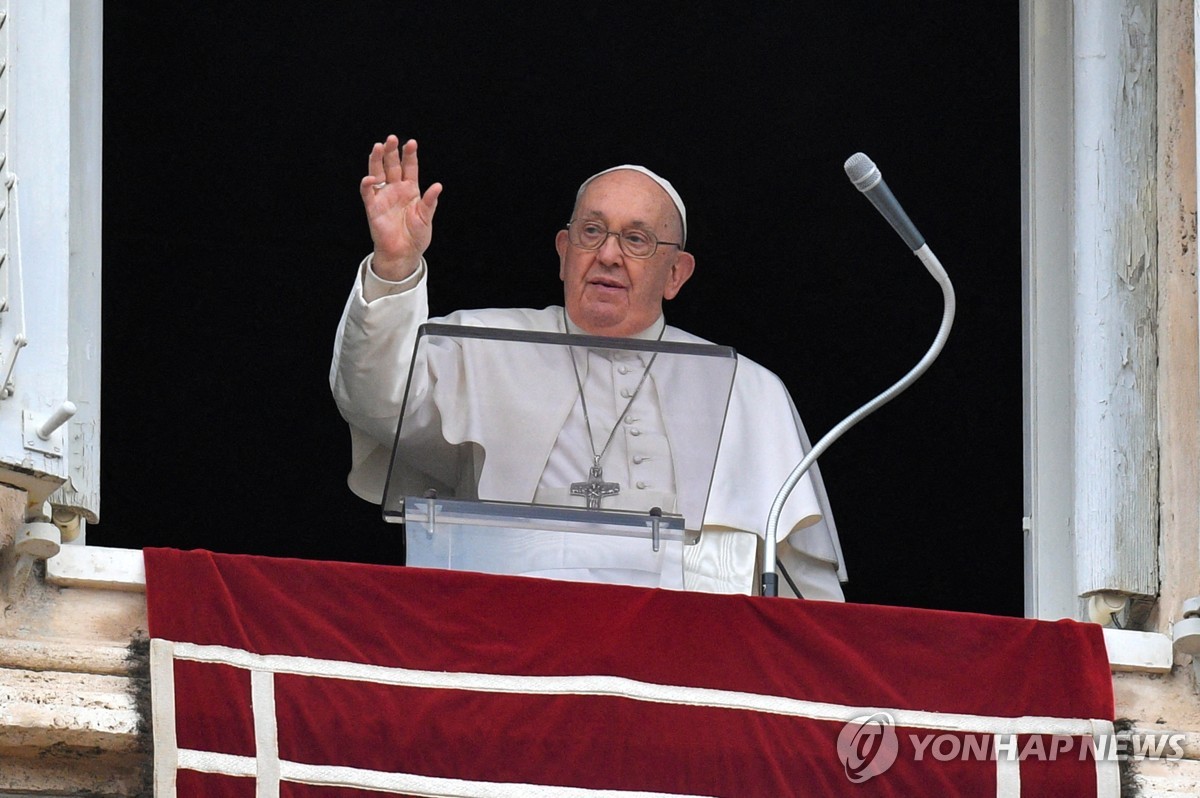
595,487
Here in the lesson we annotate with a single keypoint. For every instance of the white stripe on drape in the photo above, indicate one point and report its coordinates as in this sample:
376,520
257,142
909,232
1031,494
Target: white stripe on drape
162,717
400,783
266,733
269,770
588,685
1008,768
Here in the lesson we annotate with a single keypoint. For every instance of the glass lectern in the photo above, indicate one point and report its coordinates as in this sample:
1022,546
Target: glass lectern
557,455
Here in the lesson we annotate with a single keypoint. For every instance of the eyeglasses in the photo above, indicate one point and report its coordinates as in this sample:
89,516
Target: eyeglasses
590,234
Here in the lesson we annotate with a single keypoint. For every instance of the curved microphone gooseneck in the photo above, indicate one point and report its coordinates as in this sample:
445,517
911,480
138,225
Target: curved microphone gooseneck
866,176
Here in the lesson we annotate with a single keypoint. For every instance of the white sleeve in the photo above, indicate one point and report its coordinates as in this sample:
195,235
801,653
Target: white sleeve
375,287
370,366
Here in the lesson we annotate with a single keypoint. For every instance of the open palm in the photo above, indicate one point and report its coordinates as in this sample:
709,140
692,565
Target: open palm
399,216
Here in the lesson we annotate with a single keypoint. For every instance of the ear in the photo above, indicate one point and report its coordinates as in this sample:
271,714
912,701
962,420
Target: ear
560,244
681,271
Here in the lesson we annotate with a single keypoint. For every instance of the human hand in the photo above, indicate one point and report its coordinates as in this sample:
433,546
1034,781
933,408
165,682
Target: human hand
400,218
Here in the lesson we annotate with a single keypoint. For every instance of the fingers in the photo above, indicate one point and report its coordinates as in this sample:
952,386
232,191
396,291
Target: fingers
392,169
375,164
366,187
392,164
425,207
430,199
407,161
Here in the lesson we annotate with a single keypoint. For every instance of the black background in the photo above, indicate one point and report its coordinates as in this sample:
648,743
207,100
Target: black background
235,135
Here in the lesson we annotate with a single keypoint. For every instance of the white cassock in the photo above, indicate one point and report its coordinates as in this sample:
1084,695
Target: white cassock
536,456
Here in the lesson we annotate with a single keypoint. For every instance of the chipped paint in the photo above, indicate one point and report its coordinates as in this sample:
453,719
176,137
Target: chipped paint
1115,275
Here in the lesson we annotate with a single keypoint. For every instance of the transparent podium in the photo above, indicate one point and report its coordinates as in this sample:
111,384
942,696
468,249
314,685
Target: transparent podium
557,455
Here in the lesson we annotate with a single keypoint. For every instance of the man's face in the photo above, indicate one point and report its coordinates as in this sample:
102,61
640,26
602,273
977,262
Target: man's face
607,292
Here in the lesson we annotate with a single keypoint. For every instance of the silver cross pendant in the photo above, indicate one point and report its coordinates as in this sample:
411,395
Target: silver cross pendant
595,488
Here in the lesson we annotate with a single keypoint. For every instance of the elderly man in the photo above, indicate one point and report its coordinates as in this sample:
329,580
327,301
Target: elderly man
620,257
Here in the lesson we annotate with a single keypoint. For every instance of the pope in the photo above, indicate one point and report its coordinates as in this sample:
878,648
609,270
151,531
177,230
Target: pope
620,257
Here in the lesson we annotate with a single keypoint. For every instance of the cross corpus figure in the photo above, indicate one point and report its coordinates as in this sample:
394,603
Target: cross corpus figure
595,488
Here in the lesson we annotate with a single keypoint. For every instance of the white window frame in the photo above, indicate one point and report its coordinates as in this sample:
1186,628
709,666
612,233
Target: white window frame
1066,128
50,140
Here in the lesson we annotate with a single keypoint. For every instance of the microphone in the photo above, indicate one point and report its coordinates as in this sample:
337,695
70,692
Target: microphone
866,177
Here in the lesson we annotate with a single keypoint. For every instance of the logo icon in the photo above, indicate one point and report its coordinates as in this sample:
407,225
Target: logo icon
867,746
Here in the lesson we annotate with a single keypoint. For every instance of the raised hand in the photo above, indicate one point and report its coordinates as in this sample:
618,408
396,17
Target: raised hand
400,218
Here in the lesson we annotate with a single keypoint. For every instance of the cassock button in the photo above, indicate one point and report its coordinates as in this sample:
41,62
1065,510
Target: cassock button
635,431
622,369
641,485
639,460
626,393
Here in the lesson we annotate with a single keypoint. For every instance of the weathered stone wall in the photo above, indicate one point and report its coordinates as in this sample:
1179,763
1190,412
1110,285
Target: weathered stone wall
1165,703
73,675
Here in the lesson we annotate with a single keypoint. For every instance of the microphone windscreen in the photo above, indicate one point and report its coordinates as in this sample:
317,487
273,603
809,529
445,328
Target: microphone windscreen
862,171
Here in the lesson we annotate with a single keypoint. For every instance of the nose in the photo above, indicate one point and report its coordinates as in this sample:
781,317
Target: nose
610,251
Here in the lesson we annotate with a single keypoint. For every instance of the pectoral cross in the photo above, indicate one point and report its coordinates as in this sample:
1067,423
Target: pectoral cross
595,488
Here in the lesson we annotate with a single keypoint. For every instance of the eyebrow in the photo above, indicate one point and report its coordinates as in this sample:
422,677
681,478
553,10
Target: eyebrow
636,223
